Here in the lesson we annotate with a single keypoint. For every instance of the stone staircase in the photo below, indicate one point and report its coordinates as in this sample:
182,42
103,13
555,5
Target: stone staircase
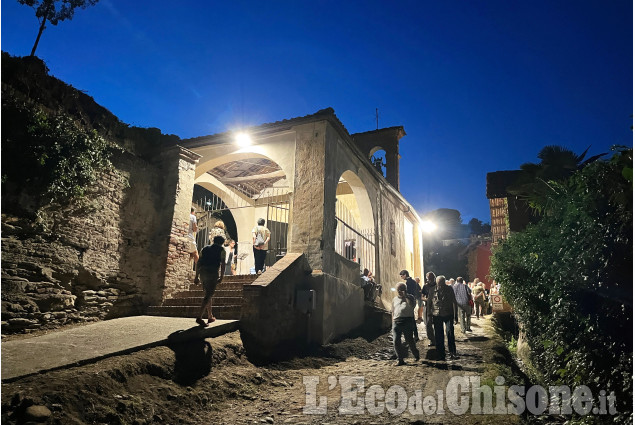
226,302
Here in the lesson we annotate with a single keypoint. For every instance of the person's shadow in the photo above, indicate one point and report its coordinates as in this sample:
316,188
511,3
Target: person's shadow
193,356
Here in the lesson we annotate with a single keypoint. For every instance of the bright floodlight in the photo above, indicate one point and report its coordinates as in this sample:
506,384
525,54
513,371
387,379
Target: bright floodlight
428,226
243,139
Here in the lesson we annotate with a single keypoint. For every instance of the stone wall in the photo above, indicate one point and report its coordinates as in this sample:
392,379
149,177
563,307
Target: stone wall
115,251
386,205
340,307
178,267
101,258
272,324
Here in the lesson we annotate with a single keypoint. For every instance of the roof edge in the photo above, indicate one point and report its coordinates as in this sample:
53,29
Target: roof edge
326,113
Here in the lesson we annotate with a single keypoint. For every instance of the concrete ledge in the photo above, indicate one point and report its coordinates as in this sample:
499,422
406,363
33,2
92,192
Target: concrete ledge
97,341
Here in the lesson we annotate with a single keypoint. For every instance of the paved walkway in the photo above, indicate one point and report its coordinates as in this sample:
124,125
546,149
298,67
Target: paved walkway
84,344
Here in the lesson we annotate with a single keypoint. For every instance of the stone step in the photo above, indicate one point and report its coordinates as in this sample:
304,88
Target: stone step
222,285
226,302
200,293
224,312
196,301
244,278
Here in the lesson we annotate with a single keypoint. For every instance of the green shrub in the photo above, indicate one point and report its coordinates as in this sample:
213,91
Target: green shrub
49,154
570,281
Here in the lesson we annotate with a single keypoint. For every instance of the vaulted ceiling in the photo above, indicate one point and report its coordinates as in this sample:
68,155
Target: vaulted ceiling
249,176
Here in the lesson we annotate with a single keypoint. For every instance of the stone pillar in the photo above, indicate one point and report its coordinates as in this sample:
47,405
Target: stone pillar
392,165
307,219
179,165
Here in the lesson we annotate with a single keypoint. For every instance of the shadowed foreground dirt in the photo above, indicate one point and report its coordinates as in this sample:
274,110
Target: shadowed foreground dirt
212,382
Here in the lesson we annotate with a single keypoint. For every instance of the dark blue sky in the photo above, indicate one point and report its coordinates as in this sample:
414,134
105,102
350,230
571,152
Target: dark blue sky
479,86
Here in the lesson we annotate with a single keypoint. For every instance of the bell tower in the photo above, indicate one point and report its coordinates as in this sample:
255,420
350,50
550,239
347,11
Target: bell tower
388,140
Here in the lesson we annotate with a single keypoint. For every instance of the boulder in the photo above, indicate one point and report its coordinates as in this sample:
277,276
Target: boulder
37,413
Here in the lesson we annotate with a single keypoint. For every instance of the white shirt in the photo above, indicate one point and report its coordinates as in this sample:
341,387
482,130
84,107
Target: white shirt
403,307
192,224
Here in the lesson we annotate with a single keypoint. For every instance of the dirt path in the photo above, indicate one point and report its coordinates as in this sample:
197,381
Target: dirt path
212,382
287,401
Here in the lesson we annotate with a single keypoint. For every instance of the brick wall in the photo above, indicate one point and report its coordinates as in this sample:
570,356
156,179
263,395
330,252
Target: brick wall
178,266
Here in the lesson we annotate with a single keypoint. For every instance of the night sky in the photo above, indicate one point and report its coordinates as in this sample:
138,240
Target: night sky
479,86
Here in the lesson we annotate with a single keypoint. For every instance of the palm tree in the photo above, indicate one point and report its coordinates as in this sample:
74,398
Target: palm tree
538,182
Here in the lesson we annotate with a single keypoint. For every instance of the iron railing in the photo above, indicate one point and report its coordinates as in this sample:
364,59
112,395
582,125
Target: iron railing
352,242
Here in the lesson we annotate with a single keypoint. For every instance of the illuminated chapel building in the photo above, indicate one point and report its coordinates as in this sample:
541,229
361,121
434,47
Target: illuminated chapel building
331,213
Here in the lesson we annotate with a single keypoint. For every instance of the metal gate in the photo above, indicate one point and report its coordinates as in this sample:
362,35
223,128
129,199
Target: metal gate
211,208
278,225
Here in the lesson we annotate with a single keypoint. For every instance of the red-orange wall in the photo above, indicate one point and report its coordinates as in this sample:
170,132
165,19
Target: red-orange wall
483,254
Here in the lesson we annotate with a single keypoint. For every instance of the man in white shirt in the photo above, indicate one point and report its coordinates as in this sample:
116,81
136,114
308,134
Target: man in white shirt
403,322
260,235
191,235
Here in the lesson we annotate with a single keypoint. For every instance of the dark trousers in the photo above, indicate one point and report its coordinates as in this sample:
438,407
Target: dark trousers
404,326
439,321
480,306
259,259
430,329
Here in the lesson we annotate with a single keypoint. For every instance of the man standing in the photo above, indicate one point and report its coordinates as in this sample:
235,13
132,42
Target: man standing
419,302
441,302
260,235
479,298
403,323
427,287
210,268
463,296
191,234
414,290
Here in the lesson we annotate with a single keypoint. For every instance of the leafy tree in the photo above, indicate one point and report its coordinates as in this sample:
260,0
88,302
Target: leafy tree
54,11
570,280
447,258
450,260
477,227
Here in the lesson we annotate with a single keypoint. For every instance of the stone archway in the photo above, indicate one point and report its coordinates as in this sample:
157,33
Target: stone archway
355,232
251,186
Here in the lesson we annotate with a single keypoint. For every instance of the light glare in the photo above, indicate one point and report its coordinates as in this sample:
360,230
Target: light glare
243,139
428,226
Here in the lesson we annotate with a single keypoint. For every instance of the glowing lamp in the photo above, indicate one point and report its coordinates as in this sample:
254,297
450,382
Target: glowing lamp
243,139
428,226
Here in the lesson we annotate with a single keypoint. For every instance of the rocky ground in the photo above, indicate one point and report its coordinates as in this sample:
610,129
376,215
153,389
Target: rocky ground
213,382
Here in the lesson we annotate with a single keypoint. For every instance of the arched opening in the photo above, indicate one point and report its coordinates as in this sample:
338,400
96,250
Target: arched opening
247,188
378,159
210,208
355,232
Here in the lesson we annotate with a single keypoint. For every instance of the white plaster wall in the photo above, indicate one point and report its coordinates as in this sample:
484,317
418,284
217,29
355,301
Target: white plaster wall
245,219
408,230
378,205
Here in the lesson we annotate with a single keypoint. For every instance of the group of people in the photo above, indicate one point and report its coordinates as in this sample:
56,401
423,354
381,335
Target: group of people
218,259
440,304
260,239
